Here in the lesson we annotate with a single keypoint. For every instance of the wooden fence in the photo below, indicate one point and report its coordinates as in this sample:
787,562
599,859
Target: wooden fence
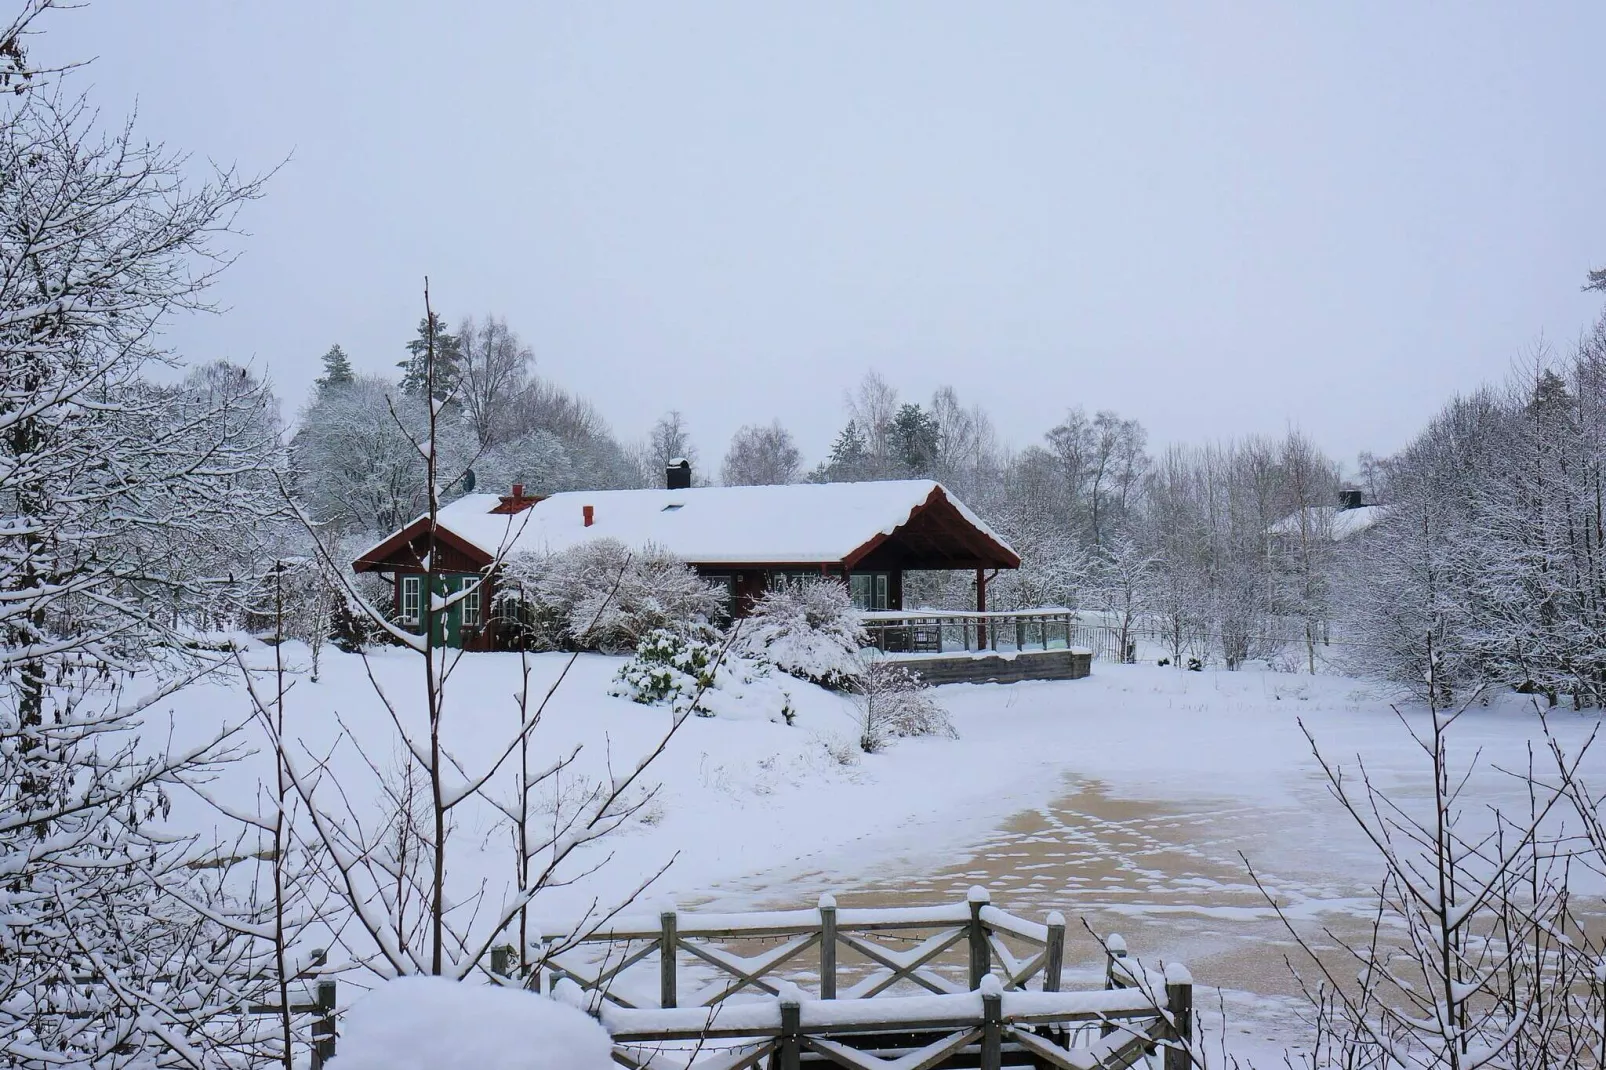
974,986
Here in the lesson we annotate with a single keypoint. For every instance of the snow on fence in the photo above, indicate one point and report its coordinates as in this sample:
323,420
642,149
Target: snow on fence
943,631
1001,1001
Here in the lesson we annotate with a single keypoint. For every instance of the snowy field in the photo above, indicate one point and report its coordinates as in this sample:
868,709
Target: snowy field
1123,799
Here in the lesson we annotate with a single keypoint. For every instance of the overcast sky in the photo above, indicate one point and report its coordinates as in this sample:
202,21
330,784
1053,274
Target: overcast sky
1216,218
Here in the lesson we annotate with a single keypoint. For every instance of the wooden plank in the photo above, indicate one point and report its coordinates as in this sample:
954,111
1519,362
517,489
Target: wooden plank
921,1059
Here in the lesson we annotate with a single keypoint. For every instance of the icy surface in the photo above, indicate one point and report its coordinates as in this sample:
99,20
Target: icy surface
429,1023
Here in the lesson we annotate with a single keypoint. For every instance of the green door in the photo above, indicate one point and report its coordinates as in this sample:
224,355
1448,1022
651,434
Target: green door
449,621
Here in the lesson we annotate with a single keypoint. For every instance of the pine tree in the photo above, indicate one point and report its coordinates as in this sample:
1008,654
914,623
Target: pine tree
448,359
914,438
849,460
336,368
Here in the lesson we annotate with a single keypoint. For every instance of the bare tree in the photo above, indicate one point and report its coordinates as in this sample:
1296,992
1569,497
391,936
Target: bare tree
392,879
761,455
1475,957
494,371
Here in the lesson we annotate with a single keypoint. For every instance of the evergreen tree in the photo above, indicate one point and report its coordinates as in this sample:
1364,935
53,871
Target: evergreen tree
849,459
336,368
914,440
448,359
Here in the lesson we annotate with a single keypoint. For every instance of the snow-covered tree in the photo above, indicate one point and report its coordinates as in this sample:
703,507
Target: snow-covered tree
106,912
337,370
353,459
448,360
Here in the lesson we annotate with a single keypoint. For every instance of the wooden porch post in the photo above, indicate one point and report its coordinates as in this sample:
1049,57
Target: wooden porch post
982,631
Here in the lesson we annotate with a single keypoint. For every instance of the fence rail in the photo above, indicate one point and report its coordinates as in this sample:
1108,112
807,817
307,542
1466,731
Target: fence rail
940,631
718,1009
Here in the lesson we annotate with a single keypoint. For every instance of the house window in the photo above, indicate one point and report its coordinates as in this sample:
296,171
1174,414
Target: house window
410,586
471,606
869,590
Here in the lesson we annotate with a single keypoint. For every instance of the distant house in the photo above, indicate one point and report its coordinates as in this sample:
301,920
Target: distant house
748,538
1331,523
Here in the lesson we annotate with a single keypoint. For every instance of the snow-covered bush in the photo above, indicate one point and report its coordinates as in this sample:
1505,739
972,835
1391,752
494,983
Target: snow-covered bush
679,668
810,631
669,666
602,595
892,702
426,1023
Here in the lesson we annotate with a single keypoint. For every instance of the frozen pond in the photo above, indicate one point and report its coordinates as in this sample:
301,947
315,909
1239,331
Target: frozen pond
1157,854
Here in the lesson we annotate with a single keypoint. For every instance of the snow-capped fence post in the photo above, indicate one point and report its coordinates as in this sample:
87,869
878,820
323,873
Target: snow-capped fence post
668,938
1054,952
981,953
1114,949
790,1045
992,1023
1179,1008
323,1026
827,946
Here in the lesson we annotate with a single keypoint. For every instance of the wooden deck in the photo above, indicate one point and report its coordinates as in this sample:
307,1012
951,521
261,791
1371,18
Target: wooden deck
1007,667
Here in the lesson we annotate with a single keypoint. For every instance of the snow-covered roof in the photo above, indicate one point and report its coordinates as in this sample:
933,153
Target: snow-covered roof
801,523
1330,520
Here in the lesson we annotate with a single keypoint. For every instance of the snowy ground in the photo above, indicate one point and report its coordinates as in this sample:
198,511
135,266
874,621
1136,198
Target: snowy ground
1124,798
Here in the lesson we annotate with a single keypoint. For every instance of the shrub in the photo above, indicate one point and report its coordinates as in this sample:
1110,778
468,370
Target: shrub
683,667
891,702
603,596
670,666
809,631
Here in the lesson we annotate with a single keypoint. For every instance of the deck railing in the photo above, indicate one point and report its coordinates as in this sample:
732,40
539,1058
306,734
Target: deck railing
949,631
956,631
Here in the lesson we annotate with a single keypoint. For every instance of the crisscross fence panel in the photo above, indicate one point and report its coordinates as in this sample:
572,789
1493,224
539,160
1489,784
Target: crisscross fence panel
956,985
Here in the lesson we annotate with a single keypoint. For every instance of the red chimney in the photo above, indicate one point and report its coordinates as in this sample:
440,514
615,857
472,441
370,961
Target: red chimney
516,502
589,513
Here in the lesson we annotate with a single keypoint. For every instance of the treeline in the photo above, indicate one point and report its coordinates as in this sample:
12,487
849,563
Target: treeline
1188,546
1490,562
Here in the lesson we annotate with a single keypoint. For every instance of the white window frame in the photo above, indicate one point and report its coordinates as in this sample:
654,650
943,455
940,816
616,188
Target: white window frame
471,606
412,588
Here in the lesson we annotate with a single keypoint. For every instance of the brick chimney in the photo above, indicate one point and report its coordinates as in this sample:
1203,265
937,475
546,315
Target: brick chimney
516,502
589,514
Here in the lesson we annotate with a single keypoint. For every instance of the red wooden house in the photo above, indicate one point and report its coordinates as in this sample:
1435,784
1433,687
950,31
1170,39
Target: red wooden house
748,538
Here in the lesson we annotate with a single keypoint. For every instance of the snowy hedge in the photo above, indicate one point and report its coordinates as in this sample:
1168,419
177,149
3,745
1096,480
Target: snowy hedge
602,595
810,631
